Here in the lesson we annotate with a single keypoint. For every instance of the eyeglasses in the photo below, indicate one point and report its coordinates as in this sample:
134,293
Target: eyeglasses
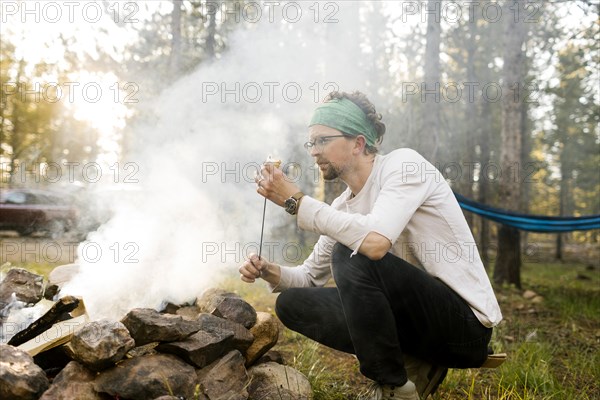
320,142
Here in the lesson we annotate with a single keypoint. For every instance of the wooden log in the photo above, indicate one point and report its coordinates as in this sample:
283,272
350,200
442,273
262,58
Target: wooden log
494,360
59,312
54,328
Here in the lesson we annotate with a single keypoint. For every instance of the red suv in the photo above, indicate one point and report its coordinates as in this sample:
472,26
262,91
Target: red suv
30,210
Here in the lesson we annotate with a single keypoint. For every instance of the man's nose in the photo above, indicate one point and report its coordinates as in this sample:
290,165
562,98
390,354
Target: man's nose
314,151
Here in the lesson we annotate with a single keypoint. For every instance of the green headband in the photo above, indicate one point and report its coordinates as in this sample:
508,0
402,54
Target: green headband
346,117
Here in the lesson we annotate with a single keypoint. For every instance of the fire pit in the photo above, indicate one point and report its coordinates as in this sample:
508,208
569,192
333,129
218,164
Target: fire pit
216,347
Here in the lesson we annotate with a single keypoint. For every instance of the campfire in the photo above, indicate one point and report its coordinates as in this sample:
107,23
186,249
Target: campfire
215,347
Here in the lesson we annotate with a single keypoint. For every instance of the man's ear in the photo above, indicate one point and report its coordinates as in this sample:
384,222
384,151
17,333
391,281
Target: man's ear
359,144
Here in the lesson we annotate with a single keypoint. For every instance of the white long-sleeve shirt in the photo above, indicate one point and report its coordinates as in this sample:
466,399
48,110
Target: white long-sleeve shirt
407,200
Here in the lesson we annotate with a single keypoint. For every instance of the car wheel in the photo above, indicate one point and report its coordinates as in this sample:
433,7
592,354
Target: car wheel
25,231
56,229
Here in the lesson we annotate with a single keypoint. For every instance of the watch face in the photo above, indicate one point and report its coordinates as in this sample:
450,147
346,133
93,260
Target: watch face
290,205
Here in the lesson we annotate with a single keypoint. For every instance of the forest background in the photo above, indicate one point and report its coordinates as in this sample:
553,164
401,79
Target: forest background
502,97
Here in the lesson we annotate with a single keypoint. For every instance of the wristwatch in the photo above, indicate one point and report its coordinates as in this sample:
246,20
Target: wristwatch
291,204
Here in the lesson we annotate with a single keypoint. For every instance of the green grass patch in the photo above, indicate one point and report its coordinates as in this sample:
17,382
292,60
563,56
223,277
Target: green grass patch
37,268
552,344
327,383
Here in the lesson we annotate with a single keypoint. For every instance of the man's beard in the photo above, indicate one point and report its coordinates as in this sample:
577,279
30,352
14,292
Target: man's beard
331,172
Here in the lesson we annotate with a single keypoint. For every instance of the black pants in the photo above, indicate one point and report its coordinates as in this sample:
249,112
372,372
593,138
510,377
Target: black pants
383,309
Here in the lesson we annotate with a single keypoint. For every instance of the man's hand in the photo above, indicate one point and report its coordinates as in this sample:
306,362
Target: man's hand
274,185
254,268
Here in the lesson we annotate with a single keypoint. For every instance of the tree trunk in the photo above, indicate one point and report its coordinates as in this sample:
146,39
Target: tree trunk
211,42
376,74
485,121
525,176
508,261
509,256
562,206
431,120
175,61
16,119
483,183
473,130
3,106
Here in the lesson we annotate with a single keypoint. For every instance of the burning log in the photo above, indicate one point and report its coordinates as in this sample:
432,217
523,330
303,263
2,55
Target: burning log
58,312
57,333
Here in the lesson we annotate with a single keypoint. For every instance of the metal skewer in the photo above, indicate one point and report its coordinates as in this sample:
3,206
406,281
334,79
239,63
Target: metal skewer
262,229
276,163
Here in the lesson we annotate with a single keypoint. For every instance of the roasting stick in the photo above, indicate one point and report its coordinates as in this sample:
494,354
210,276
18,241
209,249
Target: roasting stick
277,164
262,229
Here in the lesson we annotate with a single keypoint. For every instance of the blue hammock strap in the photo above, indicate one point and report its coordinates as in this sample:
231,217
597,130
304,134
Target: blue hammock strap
526,222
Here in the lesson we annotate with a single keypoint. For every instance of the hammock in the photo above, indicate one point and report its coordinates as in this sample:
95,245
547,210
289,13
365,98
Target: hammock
532,223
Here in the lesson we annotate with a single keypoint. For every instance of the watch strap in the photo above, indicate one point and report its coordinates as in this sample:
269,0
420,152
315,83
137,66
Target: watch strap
295,203
298,196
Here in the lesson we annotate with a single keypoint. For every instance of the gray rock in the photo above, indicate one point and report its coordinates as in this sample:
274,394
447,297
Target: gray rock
63,274
236,310
51,291
100,344
227,305
273,381
73,382
242,338
148,377
211,297
170,308
225,379
188,312
266,334
26,286
270,356
147,325
143,350
201,348
20,378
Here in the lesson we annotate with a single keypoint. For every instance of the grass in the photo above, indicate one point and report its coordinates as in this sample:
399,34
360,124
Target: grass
552,344
308,358
41,269
39,255
552,341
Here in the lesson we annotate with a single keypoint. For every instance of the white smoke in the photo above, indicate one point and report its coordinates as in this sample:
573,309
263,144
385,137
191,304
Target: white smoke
184,211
